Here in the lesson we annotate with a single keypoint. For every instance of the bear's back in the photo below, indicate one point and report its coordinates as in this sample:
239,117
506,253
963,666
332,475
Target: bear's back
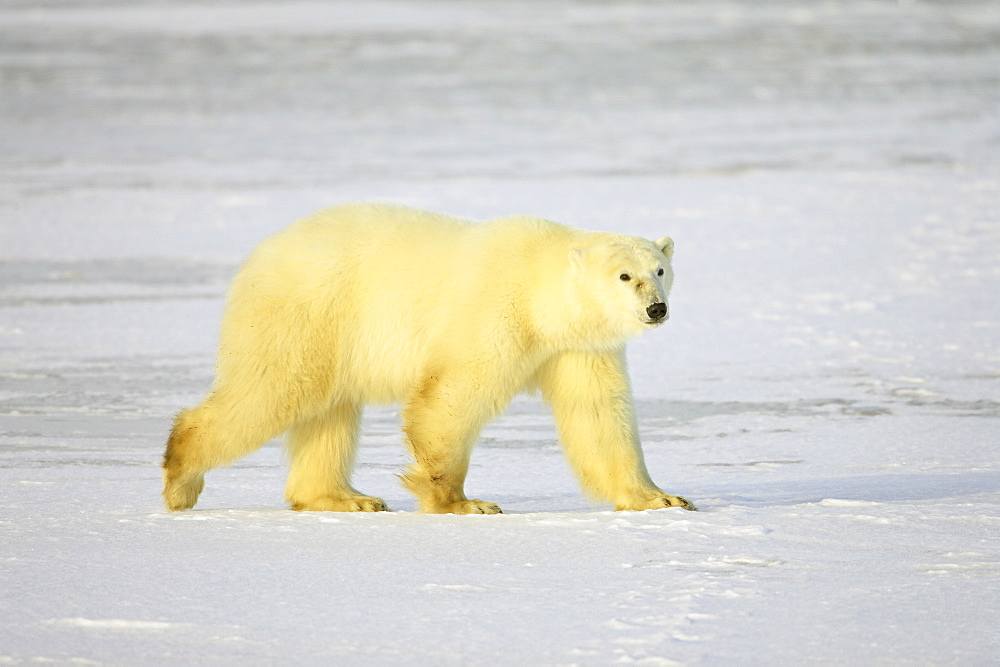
419,247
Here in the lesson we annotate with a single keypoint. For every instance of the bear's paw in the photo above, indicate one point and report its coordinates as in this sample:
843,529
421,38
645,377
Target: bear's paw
474,506
662,502
181,493
350,504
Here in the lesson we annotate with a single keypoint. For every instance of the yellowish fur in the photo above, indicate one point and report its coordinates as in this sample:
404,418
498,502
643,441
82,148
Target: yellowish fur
371,303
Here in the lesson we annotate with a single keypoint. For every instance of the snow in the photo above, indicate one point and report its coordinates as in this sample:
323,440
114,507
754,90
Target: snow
826,390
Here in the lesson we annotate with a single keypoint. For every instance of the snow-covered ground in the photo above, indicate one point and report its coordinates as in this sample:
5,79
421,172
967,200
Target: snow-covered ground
826,390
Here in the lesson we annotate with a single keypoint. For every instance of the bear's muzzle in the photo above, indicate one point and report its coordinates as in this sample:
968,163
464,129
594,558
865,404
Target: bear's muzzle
657,313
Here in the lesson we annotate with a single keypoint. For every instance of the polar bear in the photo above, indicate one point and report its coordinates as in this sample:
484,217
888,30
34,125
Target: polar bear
375,303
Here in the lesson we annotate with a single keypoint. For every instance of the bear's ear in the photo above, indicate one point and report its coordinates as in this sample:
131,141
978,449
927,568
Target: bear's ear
666,246
576,258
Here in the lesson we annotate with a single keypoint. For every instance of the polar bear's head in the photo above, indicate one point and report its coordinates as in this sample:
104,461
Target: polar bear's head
623,283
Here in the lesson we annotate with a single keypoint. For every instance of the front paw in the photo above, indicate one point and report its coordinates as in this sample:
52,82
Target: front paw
348,504
471,507
661,502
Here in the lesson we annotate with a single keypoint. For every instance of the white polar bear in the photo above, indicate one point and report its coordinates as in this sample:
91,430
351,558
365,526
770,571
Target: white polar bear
372,303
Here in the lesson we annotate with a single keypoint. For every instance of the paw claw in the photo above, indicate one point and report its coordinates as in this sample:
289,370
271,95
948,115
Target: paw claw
678,501
686,504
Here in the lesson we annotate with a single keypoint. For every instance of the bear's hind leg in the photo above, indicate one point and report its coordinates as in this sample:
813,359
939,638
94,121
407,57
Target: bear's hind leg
183,479
212,434
321,456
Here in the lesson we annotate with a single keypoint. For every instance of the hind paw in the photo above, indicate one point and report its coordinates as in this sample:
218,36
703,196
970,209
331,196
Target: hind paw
181,494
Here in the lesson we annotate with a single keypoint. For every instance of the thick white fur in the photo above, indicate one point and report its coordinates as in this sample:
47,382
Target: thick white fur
371,303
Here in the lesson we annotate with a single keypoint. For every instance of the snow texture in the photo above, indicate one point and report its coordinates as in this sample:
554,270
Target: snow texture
826,390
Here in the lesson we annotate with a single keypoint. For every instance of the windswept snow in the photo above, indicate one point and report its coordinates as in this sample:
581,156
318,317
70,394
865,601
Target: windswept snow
826,390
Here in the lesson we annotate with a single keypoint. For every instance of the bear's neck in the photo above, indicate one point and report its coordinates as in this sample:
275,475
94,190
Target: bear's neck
560,317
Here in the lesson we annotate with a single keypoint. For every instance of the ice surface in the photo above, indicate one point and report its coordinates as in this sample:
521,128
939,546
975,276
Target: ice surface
826,390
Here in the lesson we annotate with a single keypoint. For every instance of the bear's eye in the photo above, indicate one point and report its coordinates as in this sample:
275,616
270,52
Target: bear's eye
625,277
660,272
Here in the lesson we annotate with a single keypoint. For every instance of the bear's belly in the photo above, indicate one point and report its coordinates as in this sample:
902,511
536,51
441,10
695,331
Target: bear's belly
381,368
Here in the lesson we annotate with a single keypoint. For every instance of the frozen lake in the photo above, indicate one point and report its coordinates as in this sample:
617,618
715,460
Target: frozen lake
826,390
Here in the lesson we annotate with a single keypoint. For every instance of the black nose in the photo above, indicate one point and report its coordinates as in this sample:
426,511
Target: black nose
657,311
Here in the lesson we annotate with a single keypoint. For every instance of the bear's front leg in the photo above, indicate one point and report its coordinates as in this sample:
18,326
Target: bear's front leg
442,421
591,399
658,502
